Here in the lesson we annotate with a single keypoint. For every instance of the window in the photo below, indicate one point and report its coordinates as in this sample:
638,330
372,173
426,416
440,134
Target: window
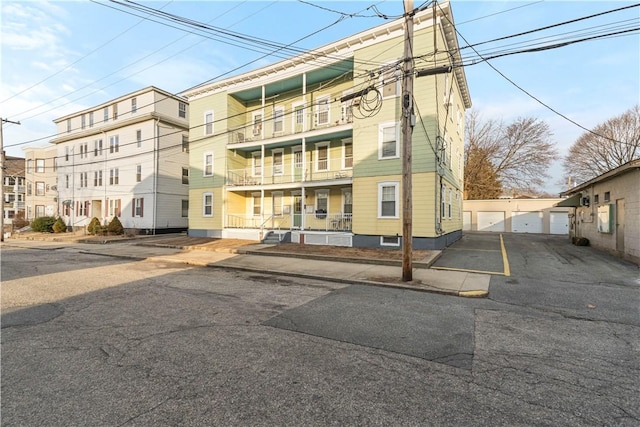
68,125
298,117
185,175
137,207
449,209
134,105
114,207
84,179
30,166
388,200
30,189
185,144
346,109
322,111
66,154
347,154
113,176
276,204
256,163
182,110
208,123
322,156
607,196
66,181
97,179
138,173
139,137
84,150
389,241
257,124
115,111
278,162
39,211
388,134
596,198
208,164
40,188
207,204
83,121
347,201
390,80
91,119
257,204
114,144
322,201
105,114
278,119
97,147
185,208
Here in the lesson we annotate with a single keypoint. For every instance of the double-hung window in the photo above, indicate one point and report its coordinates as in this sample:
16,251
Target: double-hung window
105,114
322,156
114,176
388,137
322,111
278,162
114,144
97,147
40,188
185,175
39,165
388,199
138,207
139,138
256,163
208,164
347,154
138,173
207,204
97,178
134,105
208,123
276,200
278,120
182,109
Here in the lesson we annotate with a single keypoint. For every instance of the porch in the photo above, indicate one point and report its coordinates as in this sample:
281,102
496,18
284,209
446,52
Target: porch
317,221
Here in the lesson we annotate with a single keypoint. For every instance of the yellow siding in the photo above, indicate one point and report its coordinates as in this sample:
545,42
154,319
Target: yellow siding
199,222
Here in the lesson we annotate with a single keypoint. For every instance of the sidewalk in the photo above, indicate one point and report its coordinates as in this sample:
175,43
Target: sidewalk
259,258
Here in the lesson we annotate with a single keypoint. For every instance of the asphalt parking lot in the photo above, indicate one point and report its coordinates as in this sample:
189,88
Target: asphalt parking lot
476,253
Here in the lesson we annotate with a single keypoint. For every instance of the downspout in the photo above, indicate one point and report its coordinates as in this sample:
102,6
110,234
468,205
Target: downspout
156,159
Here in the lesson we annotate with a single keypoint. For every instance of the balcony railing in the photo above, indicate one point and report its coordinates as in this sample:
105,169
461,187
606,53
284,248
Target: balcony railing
321,170
314,222
290,124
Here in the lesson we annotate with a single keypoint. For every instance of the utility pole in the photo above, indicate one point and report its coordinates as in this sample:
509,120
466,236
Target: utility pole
2,166
408,120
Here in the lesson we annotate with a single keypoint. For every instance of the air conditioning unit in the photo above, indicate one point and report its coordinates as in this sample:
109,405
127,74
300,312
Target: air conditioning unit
257,130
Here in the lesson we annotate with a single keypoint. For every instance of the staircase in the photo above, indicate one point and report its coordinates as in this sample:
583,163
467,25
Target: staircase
272,238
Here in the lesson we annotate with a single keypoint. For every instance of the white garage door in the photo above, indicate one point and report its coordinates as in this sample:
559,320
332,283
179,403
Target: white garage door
491,221
526,222
466,220
559,223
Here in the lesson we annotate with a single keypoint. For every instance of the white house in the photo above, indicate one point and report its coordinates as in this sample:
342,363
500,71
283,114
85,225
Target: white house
127,157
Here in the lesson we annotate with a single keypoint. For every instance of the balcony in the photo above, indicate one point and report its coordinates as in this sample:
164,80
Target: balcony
321,170
327,222
291,124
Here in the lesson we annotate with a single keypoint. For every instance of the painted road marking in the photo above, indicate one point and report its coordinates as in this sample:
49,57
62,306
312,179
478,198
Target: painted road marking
505,259
505,262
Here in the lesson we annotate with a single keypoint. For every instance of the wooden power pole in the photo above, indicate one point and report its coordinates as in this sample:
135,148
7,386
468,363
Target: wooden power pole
408,120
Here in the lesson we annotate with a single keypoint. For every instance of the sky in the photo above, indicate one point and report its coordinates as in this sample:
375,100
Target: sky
58,57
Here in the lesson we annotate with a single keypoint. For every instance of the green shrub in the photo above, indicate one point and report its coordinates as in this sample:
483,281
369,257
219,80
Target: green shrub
59,226
43,224
92,225
115,226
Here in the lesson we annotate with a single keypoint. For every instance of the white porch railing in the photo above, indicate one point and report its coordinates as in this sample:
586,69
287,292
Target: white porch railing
316,222
321,170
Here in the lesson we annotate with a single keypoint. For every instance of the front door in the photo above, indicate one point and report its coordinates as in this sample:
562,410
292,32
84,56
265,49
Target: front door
620,225
297,211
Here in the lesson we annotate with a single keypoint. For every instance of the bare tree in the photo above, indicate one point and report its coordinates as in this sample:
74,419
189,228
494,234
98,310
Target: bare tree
612,144
520,153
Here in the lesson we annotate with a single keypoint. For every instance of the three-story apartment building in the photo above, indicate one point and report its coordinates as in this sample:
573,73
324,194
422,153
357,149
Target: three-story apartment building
41,182
14,190
127,158
309,148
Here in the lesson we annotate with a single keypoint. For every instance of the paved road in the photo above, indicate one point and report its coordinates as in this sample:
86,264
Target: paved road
92,340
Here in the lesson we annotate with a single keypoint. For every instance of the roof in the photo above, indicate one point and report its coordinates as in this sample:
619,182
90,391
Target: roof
14,166
120,98
620,170
340,51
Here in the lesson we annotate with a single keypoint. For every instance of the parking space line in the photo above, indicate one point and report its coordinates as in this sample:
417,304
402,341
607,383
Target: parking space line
473,250
505,259
499,273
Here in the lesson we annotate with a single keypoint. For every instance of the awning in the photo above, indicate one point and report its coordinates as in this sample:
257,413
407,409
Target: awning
570,202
